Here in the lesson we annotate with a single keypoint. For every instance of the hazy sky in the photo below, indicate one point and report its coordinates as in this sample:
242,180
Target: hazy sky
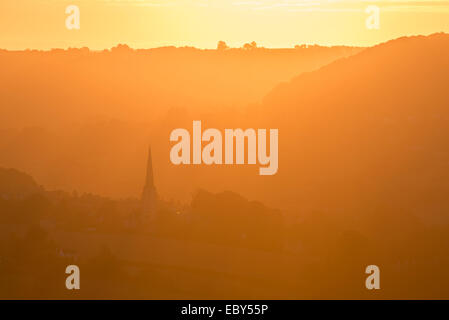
40,24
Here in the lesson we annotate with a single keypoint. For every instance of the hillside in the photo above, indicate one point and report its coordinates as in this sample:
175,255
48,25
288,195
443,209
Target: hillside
50,88
82,119
369,130
14,183
364,133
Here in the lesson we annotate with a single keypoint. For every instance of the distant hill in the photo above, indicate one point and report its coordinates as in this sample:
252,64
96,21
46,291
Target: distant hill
369,130
40,88
363,133
80,119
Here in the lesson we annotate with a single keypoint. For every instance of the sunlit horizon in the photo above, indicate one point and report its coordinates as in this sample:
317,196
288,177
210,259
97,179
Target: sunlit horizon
40,24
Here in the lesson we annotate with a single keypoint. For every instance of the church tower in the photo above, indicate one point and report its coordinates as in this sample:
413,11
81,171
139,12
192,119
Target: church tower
149,195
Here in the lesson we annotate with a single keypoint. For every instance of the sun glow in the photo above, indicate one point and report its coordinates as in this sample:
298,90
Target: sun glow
272,23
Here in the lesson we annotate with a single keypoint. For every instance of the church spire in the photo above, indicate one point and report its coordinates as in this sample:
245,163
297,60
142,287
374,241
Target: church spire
149,194
149,182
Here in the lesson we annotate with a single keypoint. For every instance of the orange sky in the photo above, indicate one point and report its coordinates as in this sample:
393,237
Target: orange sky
40,24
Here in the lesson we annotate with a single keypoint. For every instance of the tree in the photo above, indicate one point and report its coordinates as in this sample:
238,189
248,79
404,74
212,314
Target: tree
222,46
250,46
121,48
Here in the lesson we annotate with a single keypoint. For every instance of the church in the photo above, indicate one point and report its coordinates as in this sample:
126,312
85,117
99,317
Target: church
149,198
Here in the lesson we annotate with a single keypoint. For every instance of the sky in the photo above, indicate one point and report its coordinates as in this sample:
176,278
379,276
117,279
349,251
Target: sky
40,24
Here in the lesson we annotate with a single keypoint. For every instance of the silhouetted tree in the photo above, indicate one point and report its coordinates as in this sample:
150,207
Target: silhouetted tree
222,46
250,46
